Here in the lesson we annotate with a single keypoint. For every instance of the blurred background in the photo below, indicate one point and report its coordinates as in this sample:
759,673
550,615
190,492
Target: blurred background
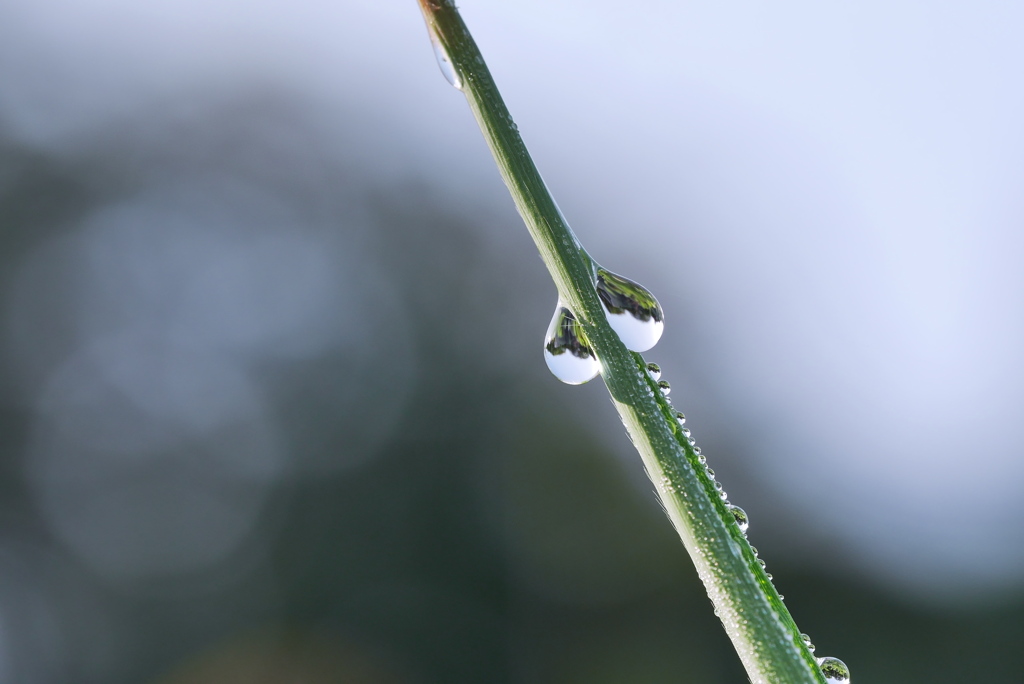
272,400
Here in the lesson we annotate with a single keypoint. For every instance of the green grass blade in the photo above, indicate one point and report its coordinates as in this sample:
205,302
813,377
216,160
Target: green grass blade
762,630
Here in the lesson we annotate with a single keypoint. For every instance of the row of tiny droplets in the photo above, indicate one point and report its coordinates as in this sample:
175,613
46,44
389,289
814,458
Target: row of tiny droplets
835,670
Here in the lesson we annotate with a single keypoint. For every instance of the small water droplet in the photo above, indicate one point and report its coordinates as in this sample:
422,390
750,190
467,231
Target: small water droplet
741,518
682,419
445,63
701,458
666,388
567,351
781,597
754,550
723,496
632,311
654,370
760,561
718,485
710,472
696,450
834,669
807,642
686,432
770,576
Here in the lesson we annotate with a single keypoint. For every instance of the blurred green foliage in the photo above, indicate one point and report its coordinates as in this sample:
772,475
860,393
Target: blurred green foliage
490,538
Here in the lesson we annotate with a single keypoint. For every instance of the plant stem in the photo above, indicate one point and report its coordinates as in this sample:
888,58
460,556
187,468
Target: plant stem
761,629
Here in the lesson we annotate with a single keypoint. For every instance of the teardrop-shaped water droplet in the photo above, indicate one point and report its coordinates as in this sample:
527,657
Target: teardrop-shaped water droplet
666,388
834,669
654,370
696,450
741,518
710,472
633,312
445,63
701,458
682,419
806,639
566,350
686,432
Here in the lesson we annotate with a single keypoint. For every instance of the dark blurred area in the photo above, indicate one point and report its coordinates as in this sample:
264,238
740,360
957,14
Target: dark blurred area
266,418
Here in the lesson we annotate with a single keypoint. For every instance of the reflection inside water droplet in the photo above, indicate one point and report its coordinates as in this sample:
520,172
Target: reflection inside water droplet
806,639
741,518
445,63
632,311
567,351
654,370
834,669
666,388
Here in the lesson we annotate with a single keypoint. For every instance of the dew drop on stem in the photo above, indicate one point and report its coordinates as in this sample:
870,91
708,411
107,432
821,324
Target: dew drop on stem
654,370
741,518
632,311
666,388
567,352
806,639
445,63
835,670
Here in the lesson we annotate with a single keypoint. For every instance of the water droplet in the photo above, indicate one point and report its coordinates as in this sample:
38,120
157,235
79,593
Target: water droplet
741,518
760,561
445,63
770,576
633,312
710,472
567,351
718,485
696,450
701,458
666,388
754,550
807,641
722,495
682,419
686,432
654,370
781,597
834,669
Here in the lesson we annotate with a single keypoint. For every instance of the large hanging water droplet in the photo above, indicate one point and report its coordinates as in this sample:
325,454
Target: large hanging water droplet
835,670
566,350
633,312
445,63
741,518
